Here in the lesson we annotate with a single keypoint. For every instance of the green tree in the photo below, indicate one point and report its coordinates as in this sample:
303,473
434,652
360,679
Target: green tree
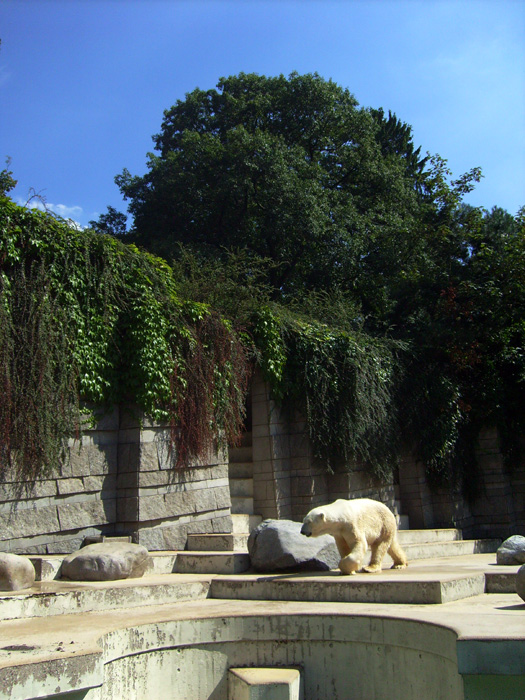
289,169
113,222
7,182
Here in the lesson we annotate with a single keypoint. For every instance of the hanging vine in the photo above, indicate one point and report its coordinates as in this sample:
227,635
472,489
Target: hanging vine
84,318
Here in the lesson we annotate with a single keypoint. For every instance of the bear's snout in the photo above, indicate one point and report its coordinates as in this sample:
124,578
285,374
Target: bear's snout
305,531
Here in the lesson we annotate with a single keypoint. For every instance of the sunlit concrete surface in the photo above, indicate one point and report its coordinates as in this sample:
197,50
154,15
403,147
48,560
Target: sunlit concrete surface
144,645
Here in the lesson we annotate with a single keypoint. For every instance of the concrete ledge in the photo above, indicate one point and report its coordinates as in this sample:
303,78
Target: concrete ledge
218,542
364,588
212,562
63,598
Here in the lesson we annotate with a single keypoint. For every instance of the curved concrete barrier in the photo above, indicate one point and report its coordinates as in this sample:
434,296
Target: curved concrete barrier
340,656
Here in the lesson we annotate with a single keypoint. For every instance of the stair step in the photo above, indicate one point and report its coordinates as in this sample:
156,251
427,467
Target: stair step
240,470
240,454
218,542
212,562
66,597
456,548
244,523
241,488
362,588
242,505
407,537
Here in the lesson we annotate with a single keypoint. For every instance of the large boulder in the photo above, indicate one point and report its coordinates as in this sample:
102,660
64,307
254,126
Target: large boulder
512,551
277,545
106,561
16,572
520,582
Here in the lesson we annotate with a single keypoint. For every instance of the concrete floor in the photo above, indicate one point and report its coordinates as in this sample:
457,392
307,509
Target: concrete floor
490,627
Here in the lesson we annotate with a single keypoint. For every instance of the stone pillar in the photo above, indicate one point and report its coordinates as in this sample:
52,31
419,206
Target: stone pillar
415,494
160,505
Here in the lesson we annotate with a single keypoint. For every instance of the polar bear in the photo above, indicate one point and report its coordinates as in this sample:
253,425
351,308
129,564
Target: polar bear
357,525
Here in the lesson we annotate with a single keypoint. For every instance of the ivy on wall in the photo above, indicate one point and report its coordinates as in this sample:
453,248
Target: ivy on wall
84,318
343,383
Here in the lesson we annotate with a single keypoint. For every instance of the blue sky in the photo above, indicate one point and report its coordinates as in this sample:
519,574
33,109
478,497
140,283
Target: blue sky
84,83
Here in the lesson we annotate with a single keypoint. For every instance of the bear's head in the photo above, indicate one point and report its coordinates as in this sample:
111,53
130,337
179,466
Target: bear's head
314,523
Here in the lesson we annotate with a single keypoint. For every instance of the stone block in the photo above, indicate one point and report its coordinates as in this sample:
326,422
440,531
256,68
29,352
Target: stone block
127,509
14,491
129,457
95,484
90,460
222,497
67,486
74,516
204,500
28,521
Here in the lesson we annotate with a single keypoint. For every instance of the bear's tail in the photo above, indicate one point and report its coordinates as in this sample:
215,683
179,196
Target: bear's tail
397,554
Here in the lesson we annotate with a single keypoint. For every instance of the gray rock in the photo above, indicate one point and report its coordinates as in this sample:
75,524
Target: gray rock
16,572
277,545
512,551
520,582
106,561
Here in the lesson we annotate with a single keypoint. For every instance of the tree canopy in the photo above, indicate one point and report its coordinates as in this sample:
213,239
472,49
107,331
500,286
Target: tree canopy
289,169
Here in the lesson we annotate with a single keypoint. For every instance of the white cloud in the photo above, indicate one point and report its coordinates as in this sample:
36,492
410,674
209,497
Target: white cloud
69,213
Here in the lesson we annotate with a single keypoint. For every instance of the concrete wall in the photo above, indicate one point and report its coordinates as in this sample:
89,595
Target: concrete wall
117,480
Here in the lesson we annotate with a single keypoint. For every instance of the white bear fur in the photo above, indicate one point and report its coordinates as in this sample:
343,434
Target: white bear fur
356,526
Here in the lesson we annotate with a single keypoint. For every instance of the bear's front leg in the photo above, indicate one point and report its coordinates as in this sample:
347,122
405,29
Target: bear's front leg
352,562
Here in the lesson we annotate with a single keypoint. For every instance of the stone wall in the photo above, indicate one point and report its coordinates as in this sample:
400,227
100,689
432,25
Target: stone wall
117,480
289,481
497,511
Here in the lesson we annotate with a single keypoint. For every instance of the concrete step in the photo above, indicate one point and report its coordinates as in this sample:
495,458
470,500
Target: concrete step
240,470
65,597
218,542
425,589
407,537
241,488
240,454
212,562
243,505
457,548
244,523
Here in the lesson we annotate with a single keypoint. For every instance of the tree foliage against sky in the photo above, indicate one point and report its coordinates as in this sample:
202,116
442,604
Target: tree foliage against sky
318,226
289,169
361,231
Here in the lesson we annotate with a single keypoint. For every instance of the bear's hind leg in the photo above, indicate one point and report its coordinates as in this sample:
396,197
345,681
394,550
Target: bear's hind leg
379,549
398,555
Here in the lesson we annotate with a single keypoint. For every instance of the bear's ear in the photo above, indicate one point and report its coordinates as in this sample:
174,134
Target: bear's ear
322,517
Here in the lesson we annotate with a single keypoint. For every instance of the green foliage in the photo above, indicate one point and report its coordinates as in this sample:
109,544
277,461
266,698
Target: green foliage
86,318
289,169
113,222
7,182
364,235
343,383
